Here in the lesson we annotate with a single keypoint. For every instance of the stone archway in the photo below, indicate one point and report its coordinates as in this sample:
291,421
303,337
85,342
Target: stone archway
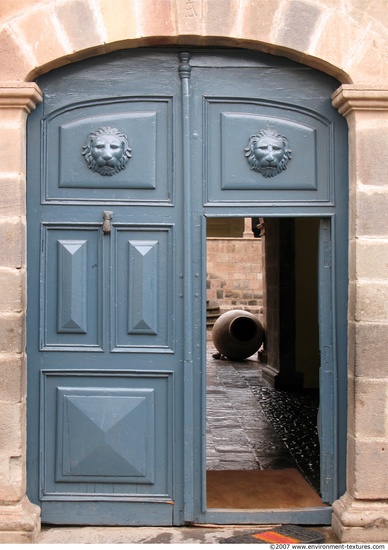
41,37
38,38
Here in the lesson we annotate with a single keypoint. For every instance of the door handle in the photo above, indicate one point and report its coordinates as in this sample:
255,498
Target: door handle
106,225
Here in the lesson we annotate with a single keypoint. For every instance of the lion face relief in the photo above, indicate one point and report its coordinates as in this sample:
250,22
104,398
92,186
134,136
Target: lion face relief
268,153
107,151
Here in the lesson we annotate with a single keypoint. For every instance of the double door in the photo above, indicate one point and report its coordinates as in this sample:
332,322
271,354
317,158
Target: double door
128,155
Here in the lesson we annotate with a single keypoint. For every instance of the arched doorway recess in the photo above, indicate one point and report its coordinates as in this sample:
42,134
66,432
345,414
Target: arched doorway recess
117,379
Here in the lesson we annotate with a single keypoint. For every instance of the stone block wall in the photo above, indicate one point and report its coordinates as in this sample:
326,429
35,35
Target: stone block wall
19,520
234,273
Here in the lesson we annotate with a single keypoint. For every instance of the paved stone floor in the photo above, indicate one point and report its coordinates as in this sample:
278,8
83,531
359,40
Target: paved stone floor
239,434
152,535
252,426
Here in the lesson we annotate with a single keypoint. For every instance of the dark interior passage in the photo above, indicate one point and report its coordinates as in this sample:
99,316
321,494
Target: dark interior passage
262,411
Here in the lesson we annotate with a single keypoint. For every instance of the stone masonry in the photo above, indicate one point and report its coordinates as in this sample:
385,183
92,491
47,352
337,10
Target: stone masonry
346,39
234,273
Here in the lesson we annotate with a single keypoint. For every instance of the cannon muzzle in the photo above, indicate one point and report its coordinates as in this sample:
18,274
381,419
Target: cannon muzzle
237,334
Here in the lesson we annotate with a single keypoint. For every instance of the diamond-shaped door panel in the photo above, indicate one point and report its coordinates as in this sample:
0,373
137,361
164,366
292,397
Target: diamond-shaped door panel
111,433
106,434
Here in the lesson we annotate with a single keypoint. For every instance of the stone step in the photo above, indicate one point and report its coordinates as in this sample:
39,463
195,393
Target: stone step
212,313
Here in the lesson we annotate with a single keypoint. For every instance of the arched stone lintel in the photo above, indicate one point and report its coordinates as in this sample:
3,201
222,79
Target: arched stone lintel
194,41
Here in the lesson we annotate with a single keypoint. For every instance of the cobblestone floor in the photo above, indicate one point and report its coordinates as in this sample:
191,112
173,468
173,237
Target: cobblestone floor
252,426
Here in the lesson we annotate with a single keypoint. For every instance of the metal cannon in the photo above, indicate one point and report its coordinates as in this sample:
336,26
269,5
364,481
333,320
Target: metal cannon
237,334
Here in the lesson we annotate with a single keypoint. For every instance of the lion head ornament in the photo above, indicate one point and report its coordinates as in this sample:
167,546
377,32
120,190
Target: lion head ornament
268,153
107,151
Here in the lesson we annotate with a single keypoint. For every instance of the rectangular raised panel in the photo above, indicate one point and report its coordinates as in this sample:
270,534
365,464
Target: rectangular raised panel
147,174
71,288
305,177
143,288
140,129
106,433
236,129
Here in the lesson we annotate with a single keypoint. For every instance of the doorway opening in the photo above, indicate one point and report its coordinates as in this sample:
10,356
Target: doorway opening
262,446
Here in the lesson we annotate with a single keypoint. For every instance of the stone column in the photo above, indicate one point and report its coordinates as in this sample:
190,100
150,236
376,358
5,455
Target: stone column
19,519
248,233
362,513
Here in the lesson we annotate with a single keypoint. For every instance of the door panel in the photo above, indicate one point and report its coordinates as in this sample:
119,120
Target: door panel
96,415
71,288
143,289
147,122
229,125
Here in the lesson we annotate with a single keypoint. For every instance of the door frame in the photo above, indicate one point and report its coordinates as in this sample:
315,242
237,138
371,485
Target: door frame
194,447
332,297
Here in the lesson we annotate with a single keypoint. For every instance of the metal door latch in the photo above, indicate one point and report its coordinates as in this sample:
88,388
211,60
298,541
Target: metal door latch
106,225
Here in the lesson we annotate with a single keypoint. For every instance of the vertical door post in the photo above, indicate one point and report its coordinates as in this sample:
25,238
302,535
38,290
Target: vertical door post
185,74
327,382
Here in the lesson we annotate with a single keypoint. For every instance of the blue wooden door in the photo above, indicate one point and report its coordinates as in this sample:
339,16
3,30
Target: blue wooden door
128,154
266,142
105,309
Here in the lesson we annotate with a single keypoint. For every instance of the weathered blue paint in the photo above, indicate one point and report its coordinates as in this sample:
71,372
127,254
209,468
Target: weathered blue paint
328,405
116,318
106,379
188,408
